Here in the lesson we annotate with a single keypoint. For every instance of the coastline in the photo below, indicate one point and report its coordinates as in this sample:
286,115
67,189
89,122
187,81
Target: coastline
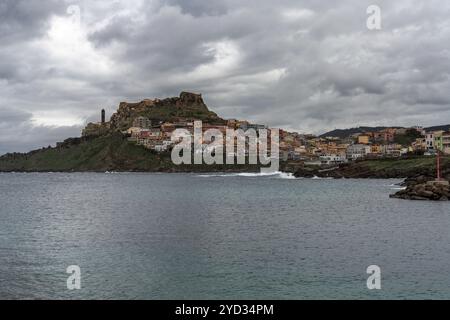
407,168
113,153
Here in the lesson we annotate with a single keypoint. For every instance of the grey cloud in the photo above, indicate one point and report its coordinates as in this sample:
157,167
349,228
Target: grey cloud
305,65
22,19
18,134
199,7
26,137
10,116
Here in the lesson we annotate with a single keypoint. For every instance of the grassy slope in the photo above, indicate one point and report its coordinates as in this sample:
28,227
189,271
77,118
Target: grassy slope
382,168
406,164
107,153
101,154
401,167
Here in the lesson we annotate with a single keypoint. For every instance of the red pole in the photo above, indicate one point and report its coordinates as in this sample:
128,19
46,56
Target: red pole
438,166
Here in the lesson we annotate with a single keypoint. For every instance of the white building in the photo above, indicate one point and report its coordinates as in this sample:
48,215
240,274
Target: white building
160,148
332,159
357,151
429,140
446,142
134,131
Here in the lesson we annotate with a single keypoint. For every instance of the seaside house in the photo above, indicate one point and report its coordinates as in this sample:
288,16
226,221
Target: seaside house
438,145
429,141
419,145
392,150
386,135
357,151
446,142
363,139
332,159
376,149
133,131
142,122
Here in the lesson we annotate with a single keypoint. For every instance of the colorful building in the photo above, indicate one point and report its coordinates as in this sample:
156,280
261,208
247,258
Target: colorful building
438,141
363,139
446,142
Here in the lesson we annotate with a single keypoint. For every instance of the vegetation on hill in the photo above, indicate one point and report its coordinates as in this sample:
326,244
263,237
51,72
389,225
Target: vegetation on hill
382,168
99,154
406,139
188,106
104,148
107,153
345,133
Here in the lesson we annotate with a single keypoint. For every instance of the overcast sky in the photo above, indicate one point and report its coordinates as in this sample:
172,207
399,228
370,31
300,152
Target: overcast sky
304,65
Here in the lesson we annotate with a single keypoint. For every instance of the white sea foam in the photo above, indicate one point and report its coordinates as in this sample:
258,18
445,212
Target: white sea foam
277,174
320,178
398,188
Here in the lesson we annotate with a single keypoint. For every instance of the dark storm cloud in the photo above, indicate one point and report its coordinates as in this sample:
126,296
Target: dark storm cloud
20,135
304,65
23,19
8,116
200,7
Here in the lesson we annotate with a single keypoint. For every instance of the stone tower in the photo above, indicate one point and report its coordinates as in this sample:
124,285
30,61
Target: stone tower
103,116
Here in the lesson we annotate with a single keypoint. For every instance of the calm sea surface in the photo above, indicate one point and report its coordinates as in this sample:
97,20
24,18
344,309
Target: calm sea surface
189,236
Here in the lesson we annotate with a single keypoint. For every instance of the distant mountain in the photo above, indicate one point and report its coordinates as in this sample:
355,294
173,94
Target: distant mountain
345,133
445,127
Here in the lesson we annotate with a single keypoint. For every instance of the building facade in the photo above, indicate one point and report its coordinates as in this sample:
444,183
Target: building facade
357,151
142,122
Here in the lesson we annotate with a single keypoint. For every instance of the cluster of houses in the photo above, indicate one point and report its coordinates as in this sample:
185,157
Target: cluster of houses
308,148
381,144
158,137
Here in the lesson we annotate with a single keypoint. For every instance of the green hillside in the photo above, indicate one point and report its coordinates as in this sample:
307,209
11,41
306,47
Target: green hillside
105,153
103,147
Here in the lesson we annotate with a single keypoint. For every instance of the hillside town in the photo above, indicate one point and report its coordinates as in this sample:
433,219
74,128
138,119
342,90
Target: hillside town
306,148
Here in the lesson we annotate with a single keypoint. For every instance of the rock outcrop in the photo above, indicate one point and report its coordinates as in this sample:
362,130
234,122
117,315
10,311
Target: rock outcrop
95,130
418,179
416,170
436,191
188,106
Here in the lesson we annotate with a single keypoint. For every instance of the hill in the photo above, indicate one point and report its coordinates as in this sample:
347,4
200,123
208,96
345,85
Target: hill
382,169
345,133
104,153
104,148
437,128
188,106
100,154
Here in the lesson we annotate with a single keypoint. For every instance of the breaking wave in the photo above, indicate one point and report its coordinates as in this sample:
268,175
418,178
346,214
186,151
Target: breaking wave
278,175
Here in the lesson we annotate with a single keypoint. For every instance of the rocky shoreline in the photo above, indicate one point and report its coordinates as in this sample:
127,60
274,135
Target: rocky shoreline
432,190
420,179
